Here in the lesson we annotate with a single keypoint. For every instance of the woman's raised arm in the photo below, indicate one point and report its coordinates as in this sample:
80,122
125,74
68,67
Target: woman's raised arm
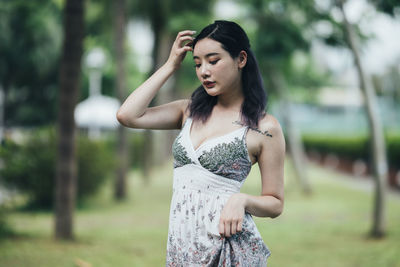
135,112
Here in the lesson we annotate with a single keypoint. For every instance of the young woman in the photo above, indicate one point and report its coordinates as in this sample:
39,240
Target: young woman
225,130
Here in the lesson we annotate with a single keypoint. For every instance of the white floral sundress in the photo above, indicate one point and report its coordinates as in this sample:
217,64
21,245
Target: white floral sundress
204,179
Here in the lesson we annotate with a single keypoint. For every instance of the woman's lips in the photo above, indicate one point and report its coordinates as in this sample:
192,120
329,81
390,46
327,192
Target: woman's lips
209,84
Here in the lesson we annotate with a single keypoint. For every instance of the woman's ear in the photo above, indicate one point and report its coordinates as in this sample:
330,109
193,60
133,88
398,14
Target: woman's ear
242,59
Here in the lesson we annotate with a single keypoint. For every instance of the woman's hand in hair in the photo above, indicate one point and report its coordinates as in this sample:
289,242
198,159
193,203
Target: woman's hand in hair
181,46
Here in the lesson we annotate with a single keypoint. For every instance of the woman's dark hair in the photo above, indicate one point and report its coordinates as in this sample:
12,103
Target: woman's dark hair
233,39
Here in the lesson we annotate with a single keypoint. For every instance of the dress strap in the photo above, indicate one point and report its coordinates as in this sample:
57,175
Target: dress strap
186,122
246,129
244,142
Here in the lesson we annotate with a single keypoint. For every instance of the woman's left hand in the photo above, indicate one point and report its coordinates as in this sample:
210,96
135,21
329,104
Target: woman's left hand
232,214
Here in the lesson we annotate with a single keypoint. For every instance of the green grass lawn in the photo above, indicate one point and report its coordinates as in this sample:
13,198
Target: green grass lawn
328,228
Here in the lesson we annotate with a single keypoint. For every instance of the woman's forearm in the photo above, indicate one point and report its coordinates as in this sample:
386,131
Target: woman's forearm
138,101
263,206
133,114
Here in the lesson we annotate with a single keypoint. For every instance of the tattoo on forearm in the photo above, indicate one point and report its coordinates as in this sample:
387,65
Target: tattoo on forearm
266,133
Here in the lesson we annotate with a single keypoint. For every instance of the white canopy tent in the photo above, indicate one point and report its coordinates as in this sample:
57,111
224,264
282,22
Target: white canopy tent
96,113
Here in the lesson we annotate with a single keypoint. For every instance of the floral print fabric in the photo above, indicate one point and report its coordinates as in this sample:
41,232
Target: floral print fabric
225,155
204,179
227,159
180,155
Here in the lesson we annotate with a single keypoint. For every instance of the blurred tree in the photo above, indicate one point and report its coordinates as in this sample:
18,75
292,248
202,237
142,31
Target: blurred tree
305,77
111,37
391,82
283,28
376,130
119,19
30,41
70,72
99,33
156,12
390,7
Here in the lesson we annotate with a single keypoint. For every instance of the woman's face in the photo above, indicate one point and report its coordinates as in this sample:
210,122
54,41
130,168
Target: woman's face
216,69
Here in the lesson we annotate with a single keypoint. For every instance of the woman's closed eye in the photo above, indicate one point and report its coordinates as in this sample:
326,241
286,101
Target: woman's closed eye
213,62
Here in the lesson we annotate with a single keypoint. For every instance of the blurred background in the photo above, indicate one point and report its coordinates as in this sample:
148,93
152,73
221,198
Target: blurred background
77,189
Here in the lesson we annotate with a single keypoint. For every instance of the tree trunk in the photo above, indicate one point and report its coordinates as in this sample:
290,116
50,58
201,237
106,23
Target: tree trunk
70,71
378,140
122,147
158,22
163,143
147,155
2,103
295,146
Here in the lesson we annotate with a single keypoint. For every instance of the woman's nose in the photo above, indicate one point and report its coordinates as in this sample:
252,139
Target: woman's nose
204,71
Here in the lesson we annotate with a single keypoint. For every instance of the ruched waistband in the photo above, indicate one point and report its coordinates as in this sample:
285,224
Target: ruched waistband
194,177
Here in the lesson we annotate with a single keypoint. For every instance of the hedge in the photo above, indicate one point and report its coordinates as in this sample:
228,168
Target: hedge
354,147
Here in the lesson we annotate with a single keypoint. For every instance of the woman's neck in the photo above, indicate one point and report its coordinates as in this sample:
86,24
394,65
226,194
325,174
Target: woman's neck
231,100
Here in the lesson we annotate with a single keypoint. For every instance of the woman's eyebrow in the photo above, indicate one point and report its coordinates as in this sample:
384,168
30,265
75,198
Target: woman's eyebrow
208,55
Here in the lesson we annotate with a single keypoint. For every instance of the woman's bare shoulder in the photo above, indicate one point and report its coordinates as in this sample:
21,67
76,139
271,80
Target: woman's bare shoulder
275,140
270,124
267,135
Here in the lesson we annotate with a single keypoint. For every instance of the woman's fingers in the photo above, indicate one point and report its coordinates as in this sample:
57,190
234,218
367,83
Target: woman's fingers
184,36
183,33
232,215
227,228
233,227
184,49
182,39
239,226
181,45
221,229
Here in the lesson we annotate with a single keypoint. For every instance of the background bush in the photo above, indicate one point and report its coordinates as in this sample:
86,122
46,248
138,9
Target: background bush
30,166
136,153
5,229
353,147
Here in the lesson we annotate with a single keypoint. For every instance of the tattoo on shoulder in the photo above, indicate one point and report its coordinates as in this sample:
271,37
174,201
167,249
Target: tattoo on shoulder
266,133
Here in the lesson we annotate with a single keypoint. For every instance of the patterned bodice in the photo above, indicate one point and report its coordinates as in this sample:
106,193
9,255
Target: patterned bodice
225,155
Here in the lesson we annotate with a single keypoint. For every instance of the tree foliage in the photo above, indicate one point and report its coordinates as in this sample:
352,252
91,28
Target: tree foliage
390,7
30,40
